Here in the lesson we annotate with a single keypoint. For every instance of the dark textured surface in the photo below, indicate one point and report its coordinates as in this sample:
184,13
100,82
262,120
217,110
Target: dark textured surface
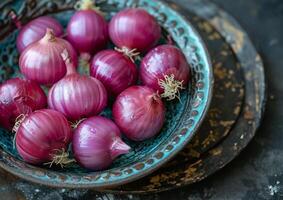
257,173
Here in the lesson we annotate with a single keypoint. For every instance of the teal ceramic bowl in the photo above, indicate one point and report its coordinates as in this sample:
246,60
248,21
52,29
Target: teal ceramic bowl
182,117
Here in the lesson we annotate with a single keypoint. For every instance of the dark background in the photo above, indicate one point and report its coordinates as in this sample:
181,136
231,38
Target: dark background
258,172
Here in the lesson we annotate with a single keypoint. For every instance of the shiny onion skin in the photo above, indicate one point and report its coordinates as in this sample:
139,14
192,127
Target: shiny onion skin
97,142
134,28
42,135
87,29
165,64
77,96
36,29
19,96
42,61
114,70
139,113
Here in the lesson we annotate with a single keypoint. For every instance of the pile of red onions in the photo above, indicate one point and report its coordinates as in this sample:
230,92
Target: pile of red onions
19,96
42,136
114,70
139,113
165,69
77,96
42,61
35,30
97,142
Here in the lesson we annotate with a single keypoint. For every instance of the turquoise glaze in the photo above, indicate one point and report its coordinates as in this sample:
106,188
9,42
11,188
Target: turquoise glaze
182,117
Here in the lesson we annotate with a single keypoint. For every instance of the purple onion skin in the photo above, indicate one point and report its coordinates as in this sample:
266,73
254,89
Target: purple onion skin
42,61
97,142
78,96
139,113
87,31
114,70
134,28
164,60
41,135
36,29
18,96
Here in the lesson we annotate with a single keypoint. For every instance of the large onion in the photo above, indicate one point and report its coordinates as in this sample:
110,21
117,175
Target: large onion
134,28
42,61
114,70
19,96
87,29
166,70
139,113
77,96
43,137
97,142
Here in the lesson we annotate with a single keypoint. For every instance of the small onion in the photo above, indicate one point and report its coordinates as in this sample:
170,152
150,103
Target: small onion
139,113
97,142
77,96
166,70
42,61
18,96
43,137
87,30
134,28
114,70
36,29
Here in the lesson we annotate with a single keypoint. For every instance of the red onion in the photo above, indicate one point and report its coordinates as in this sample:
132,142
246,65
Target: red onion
139,113
134,28
42,61
18,96
97,142
44,136
87,29
114,70
35,30
166,70
77,96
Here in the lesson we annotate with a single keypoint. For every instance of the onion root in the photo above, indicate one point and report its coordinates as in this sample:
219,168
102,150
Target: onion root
171,87
60,158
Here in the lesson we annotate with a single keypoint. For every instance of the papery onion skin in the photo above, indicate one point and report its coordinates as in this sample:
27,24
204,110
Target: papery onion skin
97,142
139,113
164,60
41,135
134,28
42,61
36,29
87,31
19,96
114,70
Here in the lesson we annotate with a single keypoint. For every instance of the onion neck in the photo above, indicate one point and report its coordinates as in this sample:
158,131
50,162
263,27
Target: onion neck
49,36
118,147
69,65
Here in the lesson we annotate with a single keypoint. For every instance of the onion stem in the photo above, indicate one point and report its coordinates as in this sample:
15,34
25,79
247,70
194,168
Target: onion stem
69,64
171,87
77,123
49,35
132,54
60,158
88,5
